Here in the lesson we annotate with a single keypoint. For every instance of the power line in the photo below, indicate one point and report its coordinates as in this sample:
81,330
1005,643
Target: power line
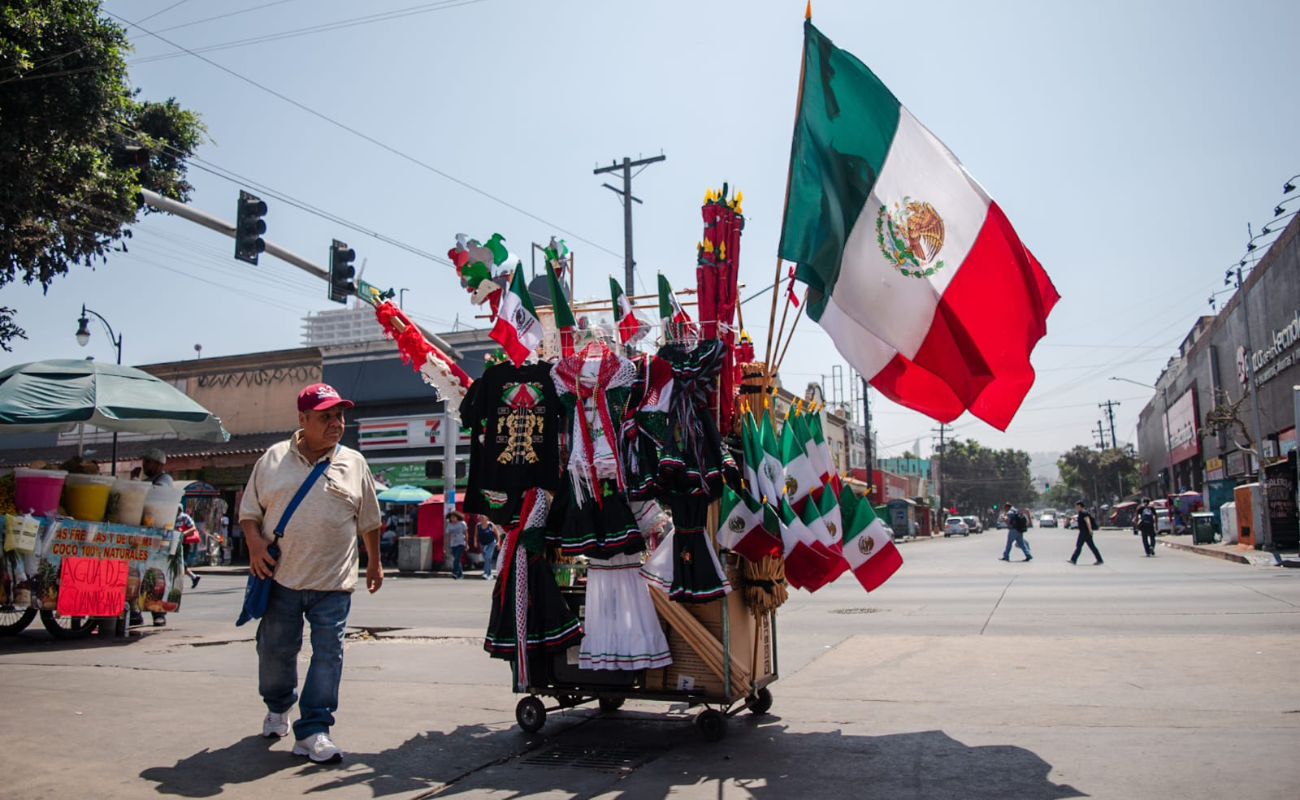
368,138
442,5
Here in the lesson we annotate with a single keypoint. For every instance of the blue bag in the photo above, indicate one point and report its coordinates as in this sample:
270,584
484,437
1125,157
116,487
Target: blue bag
258,590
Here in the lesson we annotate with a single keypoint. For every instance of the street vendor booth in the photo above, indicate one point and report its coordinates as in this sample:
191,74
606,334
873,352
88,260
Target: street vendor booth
81,545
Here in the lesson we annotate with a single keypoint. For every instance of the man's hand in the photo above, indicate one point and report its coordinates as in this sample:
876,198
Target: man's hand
260,562
374,575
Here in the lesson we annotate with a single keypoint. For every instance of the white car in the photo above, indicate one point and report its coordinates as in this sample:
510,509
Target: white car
1047,520
955,526
974,524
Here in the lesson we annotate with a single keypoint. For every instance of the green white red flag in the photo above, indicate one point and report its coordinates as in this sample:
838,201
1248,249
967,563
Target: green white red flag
631,328
800,476
805,562
912,269
677,325
771,472
869,548
517,328
749,527
564,321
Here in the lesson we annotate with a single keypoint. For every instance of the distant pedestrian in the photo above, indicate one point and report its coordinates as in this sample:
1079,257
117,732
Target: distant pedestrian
1086,525
1017,524
456,530
1145,523
487,541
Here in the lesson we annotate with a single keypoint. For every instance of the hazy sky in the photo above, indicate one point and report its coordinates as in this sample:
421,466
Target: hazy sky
1130,143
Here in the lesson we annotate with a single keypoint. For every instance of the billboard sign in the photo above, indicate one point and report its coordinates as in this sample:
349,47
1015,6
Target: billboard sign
1181,427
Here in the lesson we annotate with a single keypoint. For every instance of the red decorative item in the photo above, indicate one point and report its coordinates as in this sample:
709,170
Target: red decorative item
716,273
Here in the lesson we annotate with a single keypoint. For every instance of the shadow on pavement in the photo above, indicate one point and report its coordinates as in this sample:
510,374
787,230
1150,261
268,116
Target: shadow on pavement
208,772
637,758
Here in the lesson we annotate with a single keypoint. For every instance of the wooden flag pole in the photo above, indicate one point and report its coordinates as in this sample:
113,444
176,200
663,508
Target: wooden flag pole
781,358
785,206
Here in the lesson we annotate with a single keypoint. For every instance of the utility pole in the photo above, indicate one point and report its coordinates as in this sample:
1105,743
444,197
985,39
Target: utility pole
866,424
943,432
625,195
1109,405
1101,436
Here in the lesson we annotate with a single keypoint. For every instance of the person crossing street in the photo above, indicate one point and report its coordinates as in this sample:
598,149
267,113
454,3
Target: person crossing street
1086,526
1017,524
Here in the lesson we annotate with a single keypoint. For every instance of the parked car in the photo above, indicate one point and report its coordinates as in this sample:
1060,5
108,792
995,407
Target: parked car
973,523
955,526
1069,521
1047,519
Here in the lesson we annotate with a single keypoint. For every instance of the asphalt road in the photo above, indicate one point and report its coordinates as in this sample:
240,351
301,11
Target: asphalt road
963,677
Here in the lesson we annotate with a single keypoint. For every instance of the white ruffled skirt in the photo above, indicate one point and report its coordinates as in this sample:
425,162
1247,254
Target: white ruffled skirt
621,629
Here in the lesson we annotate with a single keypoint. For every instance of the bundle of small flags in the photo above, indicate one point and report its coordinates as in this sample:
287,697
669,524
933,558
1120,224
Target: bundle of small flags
793,504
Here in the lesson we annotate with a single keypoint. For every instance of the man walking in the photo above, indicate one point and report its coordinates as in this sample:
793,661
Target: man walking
1085,524
1146,525
1017,523
314,497
456,530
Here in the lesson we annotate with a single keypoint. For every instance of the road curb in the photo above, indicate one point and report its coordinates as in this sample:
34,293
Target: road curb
1252,559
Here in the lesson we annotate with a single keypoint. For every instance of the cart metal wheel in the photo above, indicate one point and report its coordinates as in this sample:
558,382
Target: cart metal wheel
762,702
530,714
13,620
712,724
610,704
65,627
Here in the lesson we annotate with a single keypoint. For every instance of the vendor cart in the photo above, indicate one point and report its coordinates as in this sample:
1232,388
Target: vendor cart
724,659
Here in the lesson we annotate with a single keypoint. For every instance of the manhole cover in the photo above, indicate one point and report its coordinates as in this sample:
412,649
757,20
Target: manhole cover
601,759
855,611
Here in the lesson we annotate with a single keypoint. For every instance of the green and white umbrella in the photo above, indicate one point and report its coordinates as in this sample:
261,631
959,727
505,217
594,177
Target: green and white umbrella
60,394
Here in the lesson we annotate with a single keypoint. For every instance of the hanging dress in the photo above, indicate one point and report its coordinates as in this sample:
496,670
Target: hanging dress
622,630
646,427
591,516
685,564
694,459
526,601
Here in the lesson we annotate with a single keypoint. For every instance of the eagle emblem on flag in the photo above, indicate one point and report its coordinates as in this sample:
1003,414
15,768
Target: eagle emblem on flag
910,235
791,485
737,525
865,545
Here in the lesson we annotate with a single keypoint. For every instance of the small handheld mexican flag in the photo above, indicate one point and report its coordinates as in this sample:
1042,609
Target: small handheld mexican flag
517,329
869,548
676,323
631,328
801,477
749,527
563,314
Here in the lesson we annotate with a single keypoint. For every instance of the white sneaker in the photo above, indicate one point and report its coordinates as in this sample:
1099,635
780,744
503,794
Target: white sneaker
275,725
318,748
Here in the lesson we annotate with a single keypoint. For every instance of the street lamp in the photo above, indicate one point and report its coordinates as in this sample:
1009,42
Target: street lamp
83,339
1169,448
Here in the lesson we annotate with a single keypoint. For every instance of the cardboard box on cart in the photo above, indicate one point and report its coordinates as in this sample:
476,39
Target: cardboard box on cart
688,672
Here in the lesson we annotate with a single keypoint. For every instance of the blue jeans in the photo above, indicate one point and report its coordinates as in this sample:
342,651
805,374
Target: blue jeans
1017,538
457,555
279,640
489,552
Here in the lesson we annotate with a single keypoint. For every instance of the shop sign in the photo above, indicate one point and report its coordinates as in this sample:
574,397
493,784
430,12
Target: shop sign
1275,358
1236,463
1286,441
154,574
410,473
1214,469
396,433
1181,427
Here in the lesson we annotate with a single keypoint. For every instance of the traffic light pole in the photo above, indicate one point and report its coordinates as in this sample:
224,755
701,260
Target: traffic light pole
219,225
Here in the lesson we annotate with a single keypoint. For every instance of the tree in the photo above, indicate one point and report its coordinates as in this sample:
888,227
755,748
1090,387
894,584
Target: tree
76,146
1085,471
976,478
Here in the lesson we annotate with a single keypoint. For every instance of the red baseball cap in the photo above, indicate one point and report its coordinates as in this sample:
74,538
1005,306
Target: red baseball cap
320,396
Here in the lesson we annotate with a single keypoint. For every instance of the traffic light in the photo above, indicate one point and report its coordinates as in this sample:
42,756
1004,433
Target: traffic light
995,506
249,227
341,272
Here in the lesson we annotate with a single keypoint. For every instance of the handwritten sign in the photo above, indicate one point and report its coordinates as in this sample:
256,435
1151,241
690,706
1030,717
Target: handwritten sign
92,587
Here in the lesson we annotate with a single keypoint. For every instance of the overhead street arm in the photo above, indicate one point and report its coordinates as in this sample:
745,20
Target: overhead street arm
219,225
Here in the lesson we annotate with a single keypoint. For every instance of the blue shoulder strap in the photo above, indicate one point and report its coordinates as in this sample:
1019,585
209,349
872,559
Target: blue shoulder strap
307,483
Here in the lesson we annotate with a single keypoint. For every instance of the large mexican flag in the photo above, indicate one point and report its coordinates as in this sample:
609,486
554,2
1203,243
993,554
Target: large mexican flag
517,329
911,268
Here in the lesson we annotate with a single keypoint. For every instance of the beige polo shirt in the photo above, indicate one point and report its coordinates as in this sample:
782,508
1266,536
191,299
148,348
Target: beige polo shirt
319,548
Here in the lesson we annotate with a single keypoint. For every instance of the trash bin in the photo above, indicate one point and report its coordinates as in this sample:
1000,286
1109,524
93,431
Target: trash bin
1202,528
